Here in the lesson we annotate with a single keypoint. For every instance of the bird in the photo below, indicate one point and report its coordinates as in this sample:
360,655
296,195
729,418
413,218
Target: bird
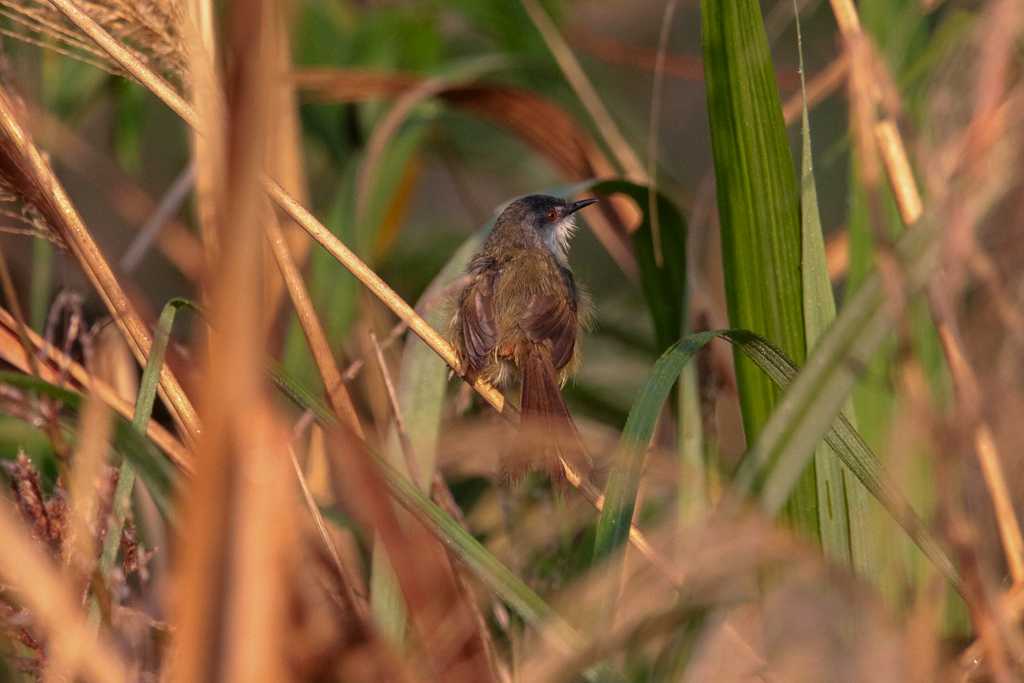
518,320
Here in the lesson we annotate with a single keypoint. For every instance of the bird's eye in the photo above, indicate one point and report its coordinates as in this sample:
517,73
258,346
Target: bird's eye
552,215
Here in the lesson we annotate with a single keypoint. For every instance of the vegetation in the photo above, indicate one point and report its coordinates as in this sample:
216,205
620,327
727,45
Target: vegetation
234,441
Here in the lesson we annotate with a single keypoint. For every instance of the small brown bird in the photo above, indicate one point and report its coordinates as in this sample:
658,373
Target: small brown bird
518,319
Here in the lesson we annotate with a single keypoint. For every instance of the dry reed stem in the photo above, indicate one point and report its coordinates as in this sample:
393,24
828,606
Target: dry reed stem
11,296
55,610
334,246
904,187
235,567
53,201
968,395
284,156
337,394
584,89
396,411
13,353
897,168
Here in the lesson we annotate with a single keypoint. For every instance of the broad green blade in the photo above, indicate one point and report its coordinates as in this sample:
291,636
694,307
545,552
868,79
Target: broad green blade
758,204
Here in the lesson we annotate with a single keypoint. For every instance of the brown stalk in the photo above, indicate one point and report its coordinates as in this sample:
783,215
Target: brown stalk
333,245
356,602
284,147
337,394
55,610
12,352
26,169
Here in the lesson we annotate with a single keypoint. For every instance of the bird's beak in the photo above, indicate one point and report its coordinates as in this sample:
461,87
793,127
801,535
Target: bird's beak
581,204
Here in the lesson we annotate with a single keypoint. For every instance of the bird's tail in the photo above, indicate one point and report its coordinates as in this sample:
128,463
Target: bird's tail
547,424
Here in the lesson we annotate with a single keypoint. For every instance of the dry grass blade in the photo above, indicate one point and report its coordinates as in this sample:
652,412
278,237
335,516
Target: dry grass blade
285,161
25,169
149,26
58,364
54,608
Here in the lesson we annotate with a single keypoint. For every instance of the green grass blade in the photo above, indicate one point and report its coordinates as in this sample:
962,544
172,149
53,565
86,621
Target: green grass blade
140,420
620,493
840,507
758,208
815,399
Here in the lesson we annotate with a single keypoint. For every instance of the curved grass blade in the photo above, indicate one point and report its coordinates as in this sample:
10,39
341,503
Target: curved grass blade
156,471
840,435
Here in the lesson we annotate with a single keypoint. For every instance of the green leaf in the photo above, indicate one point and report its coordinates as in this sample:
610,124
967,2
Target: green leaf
816,397
664,286
758,209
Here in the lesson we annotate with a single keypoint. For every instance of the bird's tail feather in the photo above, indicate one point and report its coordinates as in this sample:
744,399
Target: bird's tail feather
547,424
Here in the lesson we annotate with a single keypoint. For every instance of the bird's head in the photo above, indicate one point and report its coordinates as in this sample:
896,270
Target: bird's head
550,218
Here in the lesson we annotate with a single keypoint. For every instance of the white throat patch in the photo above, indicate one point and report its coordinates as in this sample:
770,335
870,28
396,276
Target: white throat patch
558,238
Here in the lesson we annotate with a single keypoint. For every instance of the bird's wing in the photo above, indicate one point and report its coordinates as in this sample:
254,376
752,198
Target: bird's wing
476,328
552,319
